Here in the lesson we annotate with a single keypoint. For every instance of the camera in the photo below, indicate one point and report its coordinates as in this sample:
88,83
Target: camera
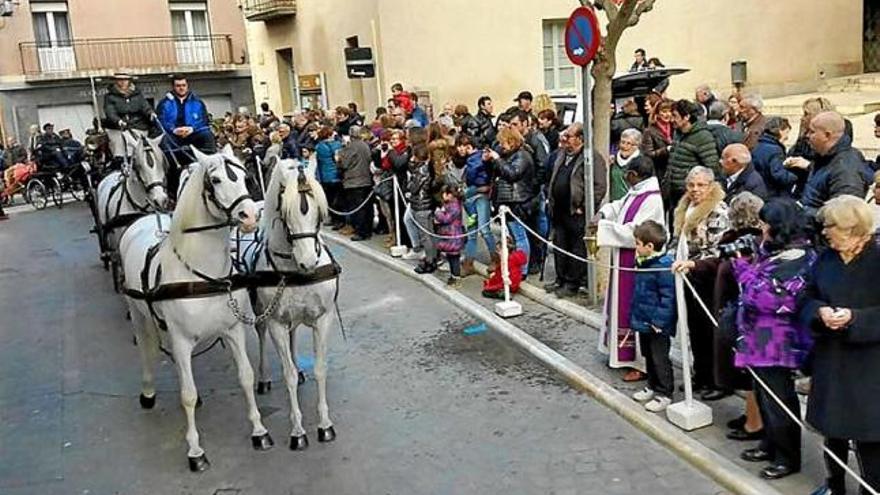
384,146
744,246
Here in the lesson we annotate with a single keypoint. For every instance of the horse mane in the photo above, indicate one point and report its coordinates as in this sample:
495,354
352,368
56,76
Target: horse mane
291,200
190,211
271,208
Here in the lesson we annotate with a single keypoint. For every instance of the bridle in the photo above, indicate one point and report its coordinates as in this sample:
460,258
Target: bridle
304,188
150,159
209,195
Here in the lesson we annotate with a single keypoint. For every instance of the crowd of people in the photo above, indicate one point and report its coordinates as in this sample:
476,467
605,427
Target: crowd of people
777,241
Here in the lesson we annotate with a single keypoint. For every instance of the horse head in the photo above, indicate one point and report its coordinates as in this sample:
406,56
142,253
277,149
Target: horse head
303,208
148,167
224,191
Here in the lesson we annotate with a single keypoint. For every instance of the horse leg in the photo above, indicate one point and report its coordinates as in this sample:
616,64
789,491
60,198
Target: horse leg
182,350
326,433
148,339
300,374
236,341
279,333
264,384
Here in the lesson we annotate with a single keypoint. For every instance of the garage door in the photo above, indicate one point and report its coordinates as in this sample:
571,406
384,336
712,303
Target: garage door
77,118
218,105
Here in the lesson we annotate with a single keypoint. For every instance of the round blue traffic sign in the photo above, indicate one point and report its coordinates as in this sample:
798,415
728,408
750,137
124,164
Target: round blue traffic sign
582,36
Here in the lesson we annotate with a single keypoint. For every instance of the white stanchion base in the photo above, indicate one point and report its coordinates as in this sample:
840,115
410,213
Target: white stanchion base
690,418
508,309
398,251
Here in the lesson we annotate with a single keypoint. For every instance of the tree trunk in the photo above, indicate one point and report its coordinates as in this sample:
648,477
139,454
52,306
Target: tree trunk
603,71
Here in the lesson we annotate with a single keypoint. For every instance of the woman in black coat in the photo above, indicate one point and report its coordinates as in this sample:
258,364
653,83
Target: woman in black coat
842,308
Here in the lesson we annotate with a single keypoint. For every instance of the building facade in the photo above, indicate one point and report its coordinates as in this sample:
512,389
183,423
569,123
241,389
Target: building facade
457,50
51,52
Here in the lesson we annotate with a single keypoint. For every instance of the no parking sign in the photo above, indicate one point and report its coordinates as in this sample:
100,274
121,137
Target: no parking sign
582,36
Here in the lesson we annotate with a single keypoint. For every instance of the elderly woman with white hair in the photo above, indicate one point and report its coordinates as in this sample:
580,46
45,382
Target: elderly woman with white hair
843,310
627,150
700,221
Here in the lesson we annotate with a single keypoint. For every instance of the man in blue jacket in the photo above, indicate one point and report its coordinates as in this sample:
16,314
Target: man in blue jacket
184,117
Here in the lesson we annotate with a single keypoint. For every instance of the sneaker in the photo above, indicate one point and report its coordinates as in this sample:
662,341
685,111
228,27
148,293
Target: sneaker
658,404
413,255
442,265
453,282
643,395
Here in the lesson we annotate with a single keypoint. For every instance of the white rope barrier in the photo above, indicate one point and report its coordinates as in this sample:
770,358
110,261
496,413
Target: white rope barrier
553,246
362,205
791,414
451,237
794,417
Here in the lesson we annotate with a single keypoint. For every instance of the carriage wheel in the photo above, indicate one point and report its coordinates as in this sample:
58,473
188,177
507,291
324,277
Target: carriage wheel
57,192
77,190
36,194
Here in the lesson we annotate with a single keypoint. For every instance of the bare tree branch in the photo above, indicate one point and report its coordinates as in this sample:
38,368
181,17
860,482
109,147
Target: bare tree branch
641,8
608,6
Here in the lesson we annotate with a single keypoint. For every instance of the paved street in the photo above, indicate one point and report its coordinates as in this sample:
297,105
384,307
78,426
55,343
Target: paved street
419,407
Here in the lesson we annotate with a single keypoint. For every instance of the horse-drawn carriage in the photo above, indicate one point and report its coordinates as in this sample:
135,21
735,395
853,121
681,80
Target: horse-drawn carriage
175,267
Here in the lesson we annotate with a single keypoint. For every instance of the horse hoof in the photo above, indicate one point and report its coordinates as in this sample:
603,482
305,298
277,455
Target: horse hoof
326,435
299,443
147,402
300,377
262,442
264,387
198,401
199,464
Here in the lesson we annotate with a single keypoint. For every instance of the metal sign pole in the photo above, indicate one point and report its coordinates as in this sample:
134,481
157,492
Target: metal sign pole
589,193
95,103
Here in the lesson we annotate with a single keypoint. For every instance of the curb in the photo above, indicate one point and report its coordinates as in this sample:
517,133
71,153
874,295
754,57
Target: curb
706,460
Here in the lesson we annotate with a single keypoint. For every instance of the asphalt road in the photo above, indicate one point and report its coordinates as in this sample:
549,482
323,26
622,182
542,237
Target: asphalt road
419,407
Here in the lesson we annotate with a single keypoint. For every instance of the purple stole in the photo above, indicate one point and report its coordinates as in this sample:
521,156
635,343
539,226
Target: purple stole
625,284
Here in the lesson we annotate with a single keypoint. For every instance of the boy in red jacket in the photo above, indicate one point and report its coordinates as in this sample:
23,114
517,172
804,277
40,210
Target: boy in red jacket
494,287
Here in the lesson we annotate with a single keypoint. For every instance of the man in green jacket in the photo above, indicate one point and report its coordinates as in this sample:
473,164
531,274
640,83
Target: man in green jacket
694,145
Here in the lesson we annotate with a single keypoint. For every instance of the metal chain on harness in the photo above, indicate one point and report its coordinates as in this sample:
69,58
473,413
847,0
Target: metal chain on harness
270,309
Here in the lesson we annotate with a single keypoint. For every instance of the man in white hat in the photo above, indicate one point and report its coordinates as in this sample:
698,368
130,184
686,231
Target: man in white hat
125,108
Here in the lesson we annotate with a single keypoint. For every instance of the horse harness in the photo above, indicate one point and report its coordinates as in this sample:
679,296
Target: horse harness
209,286
118,220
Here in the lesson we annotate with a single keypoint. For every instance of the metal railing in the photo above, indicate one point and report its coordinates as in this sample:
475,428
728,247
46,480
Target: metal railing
81,55
263,10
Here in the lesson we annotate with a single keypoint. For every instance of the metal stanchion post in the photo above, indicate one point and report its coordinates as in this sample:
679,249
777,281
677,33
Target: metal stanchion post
688,414
508,307
398,249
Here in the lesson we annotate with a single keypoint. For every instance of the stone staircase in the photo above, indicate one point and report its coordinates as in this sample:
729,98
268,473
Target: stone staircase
856,97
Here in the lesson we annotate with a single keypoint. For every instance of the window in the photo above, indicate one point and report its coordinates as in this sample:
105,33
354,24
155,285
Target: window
560,75
189,24
189,20
52,33
51,26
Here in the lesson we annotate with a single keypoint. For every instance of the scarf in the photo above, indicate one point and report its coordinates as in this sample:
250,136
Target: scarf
623,162
665,129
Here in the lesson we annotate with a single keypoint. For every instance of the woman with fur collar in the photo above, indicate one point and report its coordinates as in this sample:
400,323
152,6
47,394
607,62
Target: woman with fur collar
700,220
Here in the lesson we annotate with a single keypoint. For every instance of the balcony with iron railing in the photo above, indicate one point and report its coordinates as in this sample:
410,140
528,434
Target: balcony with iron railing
267,10
78,57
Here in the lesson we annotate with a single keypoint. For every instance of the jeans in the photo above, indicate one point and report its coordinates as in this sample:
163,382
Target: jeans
418,236
655,348
454,264
518,232
177,152
479,205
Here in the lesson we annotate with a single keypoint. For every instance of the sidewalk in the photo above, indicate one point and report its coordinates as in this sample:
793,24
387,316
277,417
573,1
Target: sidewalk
570,330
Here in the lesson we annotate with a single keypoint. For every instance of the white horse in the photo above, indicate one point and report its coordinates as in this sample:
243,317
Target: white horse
136,190
196,251
294,208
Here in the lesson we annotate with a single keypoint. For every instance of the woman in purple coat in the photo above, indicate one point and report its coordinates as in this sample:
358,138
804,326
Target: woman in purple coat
448,223
772,341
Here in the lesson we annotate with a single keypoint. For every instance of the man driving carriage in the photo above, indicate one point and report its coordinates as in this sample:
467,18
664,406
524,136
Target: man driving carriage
125,108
